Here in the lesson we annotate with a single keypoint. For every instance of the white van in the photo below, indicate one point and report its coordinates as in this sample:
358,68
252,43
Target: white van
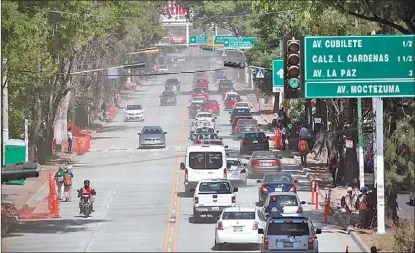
203,162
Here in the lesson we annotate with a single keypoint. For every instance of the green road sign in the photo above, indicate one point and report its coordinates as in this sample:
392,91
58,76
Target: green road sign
359,66
277,76
219,40
198,40
242,42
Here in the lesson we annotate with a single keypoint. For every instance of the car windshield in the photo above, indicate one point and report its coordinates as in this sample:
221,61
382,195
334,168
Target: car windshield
200,81
264,155
287,200
247,122
278,178
242,105
254,136
207,136
152,131
288,229
225,81
205,130
233,97
238,216
212,102
216,187
205,160
196,105
134,107
198,99
212,142
168,93
230,163
198,90
172,82
200,123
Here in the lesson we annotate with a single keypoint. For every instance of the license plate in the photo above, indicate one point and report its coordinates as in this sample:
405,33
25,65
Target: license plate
254,141
237,229
266,164
248,129
215,208
288,244
278,189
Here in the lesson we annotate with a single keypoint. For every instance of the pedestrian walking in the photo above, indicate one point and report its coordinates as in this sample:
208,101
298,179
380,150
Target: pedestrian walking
283,136
68,175
347,203
363,223
303,148
334,164
70,140
60,178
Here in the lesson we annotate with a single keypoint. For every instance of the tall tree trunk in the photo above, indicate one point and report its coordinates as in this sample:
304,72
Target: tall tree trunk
276,103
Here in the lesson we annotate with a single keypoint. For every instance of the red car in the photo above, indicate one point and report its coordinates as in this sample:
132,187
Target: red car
226,92
202,83
212,106
200,92
231,100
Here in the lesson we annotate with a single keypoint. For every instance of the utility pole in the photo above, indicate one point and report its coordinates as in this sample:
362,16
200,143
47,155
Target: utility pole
360,140
4,114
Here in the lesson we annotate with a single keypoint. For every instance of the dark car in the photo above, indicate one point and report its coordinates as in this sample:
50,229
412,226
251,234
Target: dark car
224,84
220,74
275,182
254,141
168,98
172,84
239,112
194,108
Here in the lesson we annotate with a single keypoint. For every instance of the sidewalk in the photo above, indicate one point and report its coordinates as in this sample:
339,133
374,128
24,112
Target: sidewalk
19,199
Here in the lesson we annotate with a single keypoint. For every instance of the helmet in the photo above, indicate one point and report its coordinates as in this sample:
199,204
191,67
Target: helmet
349,189
87,183
363,190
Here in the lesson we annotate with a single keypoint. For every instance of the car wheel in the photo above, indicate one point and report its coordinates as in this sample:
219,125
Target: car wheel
218,246
196,215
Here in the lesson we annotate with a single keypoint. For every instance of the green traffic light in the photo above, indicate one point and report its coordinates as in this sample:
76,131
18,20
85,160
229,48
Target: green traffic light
241,65
294,83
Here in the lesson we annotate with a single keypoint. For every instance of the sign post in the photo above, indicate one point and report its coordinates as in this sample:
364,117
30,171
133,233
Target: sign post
277,76
359,66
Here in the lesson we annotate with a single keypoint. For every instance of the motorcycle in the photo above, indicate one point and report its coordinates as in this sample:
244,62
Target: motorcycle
86,204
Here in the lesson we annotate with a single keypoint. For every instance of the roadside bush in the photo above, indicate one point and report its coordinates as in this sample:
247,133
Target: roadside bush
404,237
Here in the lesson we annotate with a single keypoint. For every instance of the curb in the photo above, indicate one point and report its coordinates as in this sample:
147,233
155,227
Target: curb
353,234
10,222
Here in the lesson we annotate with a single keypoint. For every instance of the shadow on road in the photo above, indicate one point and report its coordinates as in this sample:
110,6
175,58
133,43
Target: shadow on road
53,226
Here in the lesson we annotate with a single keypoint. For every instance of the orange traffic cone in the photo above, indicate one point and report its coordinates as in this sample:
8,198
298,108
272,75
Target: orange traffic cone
347,249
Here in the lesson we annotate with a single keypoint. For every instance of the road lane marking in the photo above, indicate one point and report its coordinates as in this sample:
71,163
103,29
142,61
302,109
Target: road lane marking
173,213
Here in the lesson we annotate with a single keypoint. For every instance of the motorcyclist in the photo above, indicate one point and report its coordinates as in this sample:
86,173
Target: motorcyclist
274,209
86,189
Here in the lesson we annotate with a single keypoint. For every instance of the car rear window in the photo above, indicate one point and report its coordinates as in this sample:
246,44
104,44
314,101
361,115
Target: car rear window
207,136
242,105
247,121
152,131
172,81
205,160
134,107
205,115
212,142
216,187
277,178
233,97
254,136
198,90
230,163
290,229
265,156
212,102
198,99
238,216
287,200
205,130
241,111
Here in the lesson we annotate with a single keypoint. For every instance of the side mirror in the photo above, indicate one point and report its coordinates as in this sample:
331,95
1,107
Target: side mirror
244,164
267,137
261,231
215,118
182,166
318,231
235,189
227,154
259,125
226,146
192,190
295,181
280,157
258,181
230,112
138,133
165,132
217,131
303,202
230,121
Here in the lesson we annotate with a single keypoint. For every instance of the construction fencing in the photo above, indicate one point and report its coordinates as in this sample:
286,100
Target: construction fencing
81,140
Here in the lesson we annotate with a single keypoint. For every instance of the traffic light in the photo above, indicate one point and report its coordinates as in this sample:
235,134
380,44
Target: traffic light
234,64
293,48
19,170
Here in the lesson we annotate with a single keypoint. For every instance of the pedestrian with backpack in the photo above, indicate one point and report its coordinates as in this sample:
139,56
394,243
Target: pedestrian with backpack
346,203
68,175
303,148
59,178
363,223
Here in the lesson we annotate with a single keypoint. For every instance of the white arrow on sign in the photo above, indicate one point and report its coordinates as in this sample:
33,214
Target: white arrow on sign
280,73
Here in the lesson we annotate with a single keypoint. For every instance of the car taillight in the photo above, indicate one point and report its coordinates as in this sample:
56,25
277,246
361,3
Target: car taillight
265,245
263,189
244,140
220,226
238,127
310,243
276,162
198,142
255,226
265,140
293,188
196,134
255,162
186,175
300,209
233,199
196,200
225,173
243,171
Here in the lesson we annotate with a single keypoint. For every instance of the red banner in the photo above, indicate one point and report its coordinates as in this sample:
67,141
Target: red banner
178,40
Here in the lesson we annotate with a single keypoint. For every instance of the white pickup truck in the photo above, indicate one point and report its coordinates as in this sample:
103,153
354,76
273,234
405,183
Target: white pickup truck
211,196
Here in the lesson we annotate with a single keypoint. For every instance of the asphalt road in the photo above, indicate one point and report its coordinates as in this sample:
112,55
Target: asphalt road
139,204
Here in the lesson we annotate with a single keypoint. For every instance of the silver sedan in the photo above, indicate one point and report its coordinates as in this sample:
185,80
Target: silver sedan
236,171
152,136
